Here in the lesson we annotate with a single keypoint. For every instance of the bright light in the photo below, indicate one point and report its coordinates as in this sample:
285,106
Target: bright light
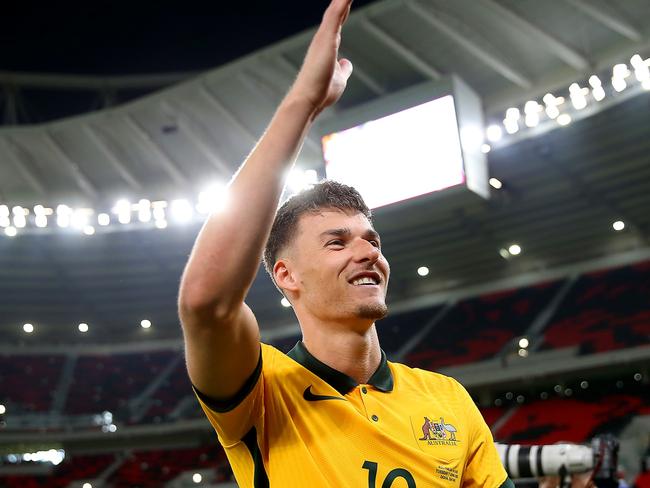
619,84
212,199
552,112
514,249
40,220
494,133
618,225
646,84
495,183
79,218
196,477
54,456
89,230
161,224
83,327
513,113
4,211
503,252
523,343
4,221
485,148
523,353
86,485
144,210
578,96
123,210
103,219
11,231
28,328
63,215
564,119
181,210
511,126
598,93
299,180
594,81
285,303
423,271
145,324
3,409
112,428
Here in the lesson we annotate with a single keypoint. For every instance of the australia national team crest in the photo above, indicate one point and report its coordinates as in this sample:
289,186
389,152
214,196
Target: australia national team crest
439,433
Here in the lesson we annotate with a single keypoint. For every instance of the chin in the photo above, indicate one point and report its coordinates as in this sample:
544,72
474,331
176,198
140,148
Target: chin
375,311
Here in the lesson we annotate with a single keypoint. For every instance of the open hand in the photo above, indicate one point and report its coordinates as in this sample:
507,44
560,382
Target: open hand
323,77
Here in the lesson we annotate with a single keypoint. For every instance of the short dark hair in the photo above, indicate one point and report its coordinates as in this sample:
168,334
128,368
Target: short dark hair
323,195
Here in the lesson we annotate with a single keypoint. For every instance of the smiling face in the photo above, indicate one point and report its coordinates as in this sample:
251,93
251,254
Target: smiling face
334,270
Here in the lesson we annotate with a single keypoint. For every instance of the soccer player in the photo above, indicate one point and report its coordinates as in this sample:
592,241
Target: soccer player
333,412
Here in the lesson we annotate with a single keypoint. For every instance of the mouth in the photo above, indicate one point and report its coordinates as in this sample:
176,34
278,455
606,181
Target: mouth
367,280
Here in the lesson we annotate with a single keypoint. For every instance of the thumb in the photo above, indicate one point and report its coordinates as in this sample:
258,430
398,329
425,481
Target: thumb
346,68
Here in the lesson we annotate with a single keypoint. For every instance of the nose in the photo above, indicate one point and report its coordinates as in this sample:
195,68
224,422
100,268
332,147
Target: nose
366,251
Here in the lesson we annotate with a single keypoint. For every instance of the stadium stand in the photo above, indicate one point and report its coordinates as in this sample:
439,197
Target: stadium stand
108,382
478,328
605,310
72,469
40,372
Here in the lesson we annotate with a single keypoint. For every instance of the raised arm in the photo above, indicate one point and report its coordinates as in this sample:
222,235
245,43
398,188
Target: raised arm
221,332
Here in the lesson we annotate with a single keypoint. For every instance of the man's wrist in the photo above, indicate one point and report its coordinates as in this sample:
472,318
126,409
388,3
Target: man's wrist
300,104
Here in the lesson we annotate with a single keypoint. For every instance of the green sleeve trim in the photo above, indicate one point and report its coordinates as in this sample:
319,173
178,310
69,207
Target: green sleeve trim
223,405
507,484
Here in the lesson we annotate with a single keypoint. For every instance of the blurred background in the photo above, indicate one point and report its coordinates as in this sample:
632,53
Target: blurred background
120,130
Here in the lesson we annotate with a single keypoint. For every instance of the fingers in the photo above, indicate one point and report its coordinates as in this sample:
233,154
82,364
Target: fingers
336,14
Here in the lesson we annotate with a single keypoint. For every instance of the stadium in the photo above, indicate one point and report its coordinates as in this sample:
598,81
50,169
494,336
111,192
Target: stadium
523,272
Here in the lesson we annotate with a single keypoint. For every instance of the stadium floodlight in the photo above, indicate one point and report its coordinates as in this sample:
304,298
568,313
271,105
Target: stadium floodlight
40,220
197,478
3,409
578,98
495,183
299,179
103,219
10,231
494,133
181,210
63,216
212,199
87,485
584,384
485,148
618,225
503,252
123,211
28,328
564,119
285,303
89,230
83,327
145,323
514,249
523,343
160,223
144,210
423,271
4,211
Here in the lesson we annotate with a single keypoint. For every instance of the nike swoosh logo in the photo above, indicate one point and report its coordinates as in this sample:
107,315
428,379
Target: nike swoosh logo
312,397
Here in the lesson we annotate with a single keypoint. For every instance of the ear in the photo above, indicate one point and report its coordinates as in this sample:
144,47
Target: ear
284,276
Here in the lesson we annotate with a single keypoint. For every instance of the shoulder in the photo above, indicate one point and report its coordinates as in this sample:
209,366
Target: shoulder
434,382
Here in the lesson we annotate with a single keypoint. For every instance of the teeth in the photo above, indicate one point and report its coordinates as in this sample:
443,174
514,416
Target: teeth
366,280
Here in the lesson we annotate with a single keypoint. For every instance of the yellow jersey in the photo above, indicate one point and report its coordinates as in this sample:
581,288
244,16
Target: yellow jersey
299,423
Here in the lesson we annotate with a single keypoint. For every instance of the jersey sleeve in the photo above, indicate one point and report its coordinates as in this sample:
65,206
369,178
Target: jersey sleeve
233,418
483,467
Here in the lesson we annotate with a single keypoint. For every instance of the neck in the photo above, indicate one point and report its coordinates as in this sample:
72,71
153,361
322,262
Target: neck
355,354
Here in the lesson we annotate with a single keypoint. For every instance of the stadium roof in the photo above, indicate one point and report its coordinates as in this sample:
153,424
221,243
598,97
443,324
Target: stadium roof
562,188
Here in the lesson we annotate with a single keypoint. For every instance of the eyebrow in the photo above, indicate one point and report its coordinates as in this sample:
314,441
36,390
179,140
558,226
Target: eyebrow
346,232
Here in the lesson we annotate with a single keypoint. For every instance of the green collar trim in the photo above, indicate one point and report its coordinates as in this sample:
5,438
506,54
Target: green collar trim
382,379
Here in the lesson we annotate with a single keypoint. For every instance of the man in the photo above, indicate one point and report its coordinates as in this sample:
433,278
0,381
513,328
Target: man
333,412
